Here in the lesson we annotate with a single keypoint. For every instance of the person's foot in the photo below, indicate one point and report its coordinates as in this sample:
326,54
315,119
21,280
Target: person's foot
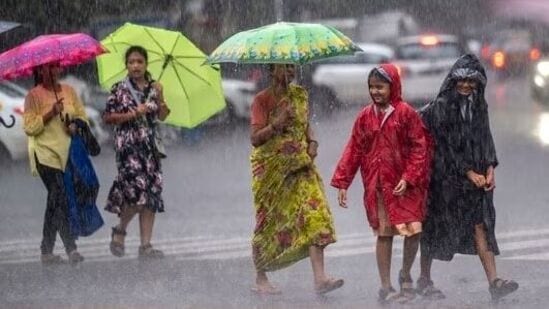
75,258
266,289
328,285
407,291
117,242
426,288
500,288
148,252
51,259
388,295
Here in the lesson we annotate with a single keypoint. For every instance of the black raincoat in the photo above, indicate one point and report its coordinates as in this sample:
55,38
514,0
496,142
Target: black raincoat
460,129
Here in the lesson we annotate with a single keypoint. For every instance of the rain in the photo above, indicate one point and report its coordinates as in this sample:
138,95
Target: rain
206,232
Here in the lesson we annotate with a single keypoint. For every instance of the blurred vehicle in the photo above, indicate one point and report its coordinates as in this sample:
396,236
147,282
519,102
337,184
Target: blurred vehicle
386,27
539,81
423,62
13,141
511,52
345,77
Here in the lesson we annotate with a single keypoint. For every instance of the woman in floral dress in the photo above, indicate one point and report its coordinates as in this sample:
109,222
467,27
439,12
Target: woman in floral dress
292,213
133,107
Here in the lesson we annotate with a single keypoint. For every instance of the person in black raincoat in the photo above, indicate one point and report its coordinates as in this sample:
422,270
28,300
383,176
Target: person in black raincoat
460,210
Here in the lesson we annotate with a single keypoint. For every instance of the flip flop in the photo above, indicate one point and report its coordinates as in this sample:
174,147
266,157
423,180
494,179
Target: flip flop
266,290
329,285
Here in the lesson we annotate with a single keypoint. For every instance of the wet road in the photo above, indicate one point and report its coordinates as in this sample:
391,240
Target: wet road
205,231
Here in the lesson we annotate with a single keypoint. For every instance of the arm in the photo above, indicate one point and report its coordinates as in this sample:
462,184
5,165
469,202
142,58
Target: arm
33,120
350,160
418,161
112,116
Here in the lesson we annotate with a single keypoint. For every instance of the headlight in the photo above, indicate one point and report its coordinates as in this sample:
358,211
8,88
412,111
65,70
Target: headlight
539,81
543,68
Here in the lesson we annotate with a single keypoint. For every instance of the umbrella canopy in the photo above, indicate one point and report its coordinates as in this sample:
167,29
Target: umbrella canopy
192,90
282,42
67,49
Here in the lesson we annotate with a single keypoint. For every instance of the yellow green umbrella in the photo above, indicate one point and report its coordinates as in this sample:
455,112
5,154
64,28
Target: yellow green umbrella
192,90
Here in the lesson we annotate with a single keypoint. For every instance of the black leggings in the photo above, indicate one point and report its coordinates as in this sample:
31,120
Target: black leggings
55,219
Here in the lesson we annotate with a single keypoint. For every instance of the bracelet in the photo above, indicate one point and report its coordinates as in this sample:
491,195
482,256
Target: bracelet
312,141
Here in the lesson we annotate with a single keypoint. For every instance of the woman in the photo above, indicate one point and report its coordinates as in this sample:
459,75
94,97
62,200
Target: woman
460,212
292,213
133,107
46,107
390,146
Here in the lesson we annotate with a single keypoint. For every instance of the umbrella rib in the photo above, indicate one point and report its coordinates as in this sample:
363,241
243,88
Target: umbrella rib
154,40
180,81
191,72
130,44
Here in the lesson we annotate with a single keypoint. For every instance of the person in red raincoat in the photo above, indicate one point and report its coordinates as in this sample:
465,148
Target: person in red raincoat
390,145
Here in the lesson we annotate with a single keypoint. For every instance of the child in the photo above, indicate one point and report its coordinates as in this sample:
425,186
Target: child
390,145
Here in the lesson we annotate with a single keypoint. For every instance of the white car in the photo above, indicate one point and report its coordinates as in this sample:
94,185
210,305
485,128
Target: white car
424,61
346,76
239,95
13,141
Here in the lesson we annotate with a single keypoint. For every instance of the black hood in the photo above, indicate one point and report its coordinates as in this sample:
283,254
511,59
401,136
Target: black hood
467,66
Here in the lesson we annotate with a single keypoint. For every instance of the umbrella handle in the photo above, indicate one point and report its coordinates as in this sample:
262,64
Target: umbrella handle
3,122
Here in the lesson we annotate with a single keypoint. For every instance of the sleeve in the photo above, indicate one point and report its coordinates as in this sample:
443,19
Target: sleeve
491,156
350,159
259,115
79,110
33,122
419,158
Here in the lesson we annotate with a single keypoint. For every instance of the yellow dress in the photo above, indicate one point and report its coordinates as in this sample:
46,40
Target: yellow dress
292,212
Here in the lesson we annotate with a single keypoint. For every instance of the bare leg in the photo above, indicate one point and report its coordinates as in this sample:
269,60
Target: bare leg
126,217
146,223
384,250
411,245
317,261
486,256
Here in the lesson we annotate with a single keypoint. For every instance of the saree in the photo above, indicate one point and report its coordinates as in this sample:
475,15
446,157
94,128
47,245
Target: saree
292,212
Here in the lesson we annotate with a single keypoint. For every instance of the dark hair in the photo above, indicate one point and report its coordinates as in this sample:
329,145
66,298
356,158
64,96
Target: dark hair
143,52
37,76
374,73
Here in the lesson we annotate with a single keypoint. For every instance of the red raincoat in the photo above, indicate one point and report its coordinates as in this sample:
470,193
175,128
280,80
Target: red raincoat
397,148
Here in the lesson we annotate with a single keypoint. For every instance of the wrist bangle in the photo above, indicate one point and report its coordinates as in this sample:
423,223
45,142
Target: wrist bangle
311,141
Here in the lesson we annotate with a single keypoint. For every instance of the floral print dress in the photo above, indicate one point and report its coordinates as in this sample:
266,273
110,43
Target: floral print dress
139,179
292,212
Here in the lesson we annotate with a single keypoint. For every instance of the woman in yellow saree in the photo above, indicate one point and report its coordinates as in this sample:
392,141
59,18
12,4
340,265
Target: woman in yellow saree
293,220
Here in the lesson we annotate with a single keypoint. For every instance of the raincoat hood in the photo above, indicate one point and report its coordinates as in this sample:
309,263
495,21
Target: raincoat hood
467,66
390,73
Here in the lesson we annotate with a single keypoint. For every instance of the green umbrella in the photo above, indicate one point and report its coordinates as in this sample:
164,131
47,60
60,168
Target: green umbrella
192,90
296,43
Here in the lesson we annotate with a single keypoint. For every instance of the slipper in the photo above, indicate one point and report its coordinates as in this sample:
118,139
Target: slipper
266,290
329,285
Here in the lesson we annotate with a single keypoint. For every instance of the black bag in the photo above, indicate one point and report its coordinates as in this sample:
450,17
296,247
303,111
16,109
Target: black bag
89,140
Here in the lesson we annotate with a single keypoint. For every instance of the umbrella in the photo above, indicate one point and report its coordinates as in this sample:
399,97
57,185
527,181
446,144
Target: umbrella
192,90
67,49
282,42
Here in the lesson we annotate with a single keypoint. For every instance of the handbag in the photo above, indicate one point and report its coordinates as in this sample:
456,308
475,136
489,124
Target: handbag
92,146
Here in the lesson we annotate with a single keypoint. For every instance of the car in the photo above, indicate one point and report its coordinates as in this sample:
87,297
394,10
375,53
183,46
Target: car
423,62
539,81
511,52
13,141
239,95
346,76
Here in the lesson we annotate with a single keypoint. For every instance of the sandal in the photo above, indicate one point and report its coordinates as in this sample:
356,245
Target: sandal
328,286
500,288
266,290
388,295
51,259
147,252
117,249
406,293
426,288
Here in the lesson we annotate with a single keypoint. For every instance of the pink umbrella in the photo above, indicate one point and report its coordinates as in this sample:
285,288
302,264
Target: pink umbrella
67,49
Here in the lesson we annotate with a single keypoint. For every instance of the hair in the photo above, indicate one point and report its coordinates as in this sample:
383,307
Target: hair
37,76
143,52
